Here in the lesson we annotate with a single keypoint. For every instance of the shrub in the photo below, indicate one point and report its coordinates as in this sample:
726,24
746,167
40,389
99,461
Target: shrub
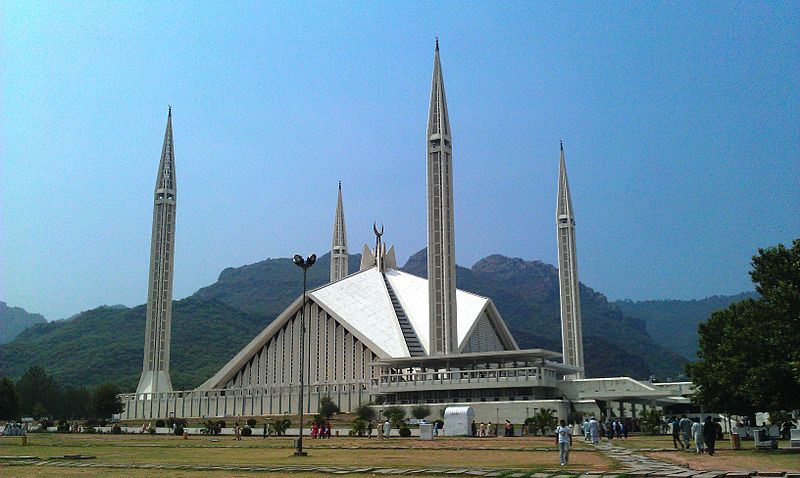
176,422
327,408
63,427
651,421
439,424
151,430
365,412
280,425
251,422
160,423
359,427
395,415
405,432
220,425
45,423
247,431
178,430
116,430
420,411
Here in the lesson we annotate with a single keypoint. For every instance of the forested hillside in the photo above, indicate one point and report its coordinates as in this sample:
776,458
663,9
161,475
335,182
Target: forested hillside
673,323
14,320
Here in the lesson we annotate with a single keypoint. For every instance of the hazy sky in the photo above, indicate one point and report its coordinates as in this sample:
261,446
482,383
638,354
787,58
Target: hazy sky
680,123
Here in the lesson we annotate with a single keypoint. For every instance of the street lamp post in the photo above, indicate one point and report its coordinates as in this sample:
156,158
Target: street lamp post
304,264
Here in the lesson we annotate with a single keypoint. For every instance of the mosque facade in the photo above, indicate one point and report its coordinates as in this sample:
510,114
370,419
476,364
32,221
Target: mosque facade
384,336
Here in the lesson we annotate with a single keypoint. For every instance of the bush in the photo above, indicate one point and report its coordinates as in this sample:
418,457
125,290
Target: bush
395,415
45,423
116,430
220,425
359,427
160,423
176,422
652,421
251,422
439,424
327,408
178,430
63,427
247,431
365,412
280,425
405,432
151,430
420,411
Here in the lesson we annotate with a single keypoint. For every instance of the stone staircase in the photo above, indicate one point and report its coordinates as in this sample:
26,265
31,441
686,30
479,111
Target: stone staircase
410,336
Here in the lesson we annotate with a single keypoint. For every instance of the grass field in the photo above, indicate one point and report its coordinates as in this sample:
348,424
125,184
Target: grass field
532,453
725,457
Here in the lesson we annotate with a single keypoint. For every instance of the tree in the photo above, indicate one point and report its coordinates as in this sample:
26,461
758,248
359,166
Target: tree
105,400
543,420
748,356
9,401
35,386
365,412
420,411
395,415
327,408
651,421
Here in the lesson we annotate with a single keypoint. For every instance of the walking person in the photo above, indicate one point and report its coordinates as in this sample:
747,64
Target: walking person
564,441
594,431
686,430
370,426
675,426
387,428
710,435
266,429
482,430
697,434
585,428
380,430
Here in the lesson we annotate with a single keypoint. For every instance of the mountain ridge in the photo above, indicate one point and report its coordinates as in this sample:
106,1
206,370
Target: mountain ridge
14,320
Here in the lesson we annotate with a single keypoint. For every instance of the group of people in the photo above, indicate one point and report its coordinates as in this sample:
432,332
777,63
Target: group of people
321,430
384,429
485,430
705,434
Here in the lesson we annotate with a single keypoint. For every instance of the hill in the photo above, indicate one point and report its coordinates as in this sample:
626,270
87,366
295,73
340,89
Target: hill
526,293
14,320
208,328
106,344
673,323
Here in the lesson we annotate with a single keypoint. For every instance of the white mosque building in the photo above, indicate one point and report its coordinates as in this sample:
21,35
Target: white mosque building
381,335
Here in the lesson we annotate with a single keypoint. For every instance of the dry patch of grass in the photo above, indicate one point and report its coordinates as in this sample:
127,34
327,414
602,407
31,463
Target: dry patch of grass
501,453
726,459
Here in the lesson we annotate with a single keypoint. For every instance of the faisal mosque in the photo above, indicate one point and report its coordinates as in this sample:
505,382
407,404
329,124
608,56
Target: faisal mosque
384,336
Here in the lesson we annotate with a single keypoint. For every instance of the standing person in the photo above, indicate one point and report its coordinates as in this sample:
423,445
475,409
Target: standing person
482,429
585,429
675,426
710,435
380,430
489,429
370,426
697,434
327,429
507,429
686,430
594,431
237,432
387,428
563,440
266,429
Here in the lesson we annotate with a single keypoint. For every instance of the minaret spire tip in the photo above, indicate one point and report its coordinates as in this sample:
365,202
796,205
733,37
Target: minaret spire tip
340,185
169,110
437,43
562,145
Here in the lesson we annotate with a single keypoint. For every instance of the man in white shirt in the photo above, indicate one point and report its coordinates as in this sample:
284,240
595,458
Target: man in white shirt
564,440
594,430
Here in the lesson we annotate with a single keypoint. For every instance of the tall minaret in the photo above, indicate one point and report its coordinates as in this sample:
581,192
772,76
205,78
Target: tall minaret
571,333
441,237
339,244
155,372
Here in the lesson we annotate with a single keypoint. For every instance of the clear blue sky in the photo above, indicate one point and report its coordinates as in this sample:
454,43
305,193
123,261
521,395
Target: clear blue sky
680,122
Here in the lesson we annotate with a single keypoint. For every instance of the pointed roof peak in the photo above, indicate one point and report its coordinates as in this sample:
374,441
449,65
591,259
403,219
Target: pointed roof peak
169,111
340,185
437,43
562,145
